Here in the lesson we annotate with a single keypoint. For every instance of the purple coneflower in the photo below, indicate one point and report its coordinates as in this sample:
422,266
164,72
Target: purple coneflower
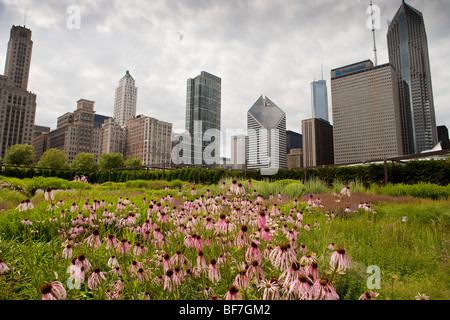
82,262
213,271
271,289
282,256
340,260
255,271
49,194
3,267
111,242
95,279
123,246
113,262
324,290
301,287
201,261
233,294
242,280
53,291
94,239
368,295
171,281
253,253
422,296
67,252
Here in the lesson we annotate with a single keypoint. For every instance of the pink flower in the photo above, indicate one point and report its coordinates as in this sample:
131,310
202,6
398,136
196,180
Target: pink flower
142,275
255,271
323,290
301,288
262,219
368,295
95,279
113,262
49,194
3,267
53,291
292,273
253,253
233,294
250,184
178,258
123,246
82,262
201,261
213,271
331,246
242,237
67,252
224,185
111,242
271,289
171,281
312,271
345,191
282,256
340,260
94,239
242,280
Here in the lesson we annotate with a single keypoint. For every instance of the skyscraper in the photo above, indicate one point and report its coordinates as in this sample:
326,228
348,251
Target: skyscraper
408,54
319,99
317,136
366,113
125,101
17,104
203,112
266,130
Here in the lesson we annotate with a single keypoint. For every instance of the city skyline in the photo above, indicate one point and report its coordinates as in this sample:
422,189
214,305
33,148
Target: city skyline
277,57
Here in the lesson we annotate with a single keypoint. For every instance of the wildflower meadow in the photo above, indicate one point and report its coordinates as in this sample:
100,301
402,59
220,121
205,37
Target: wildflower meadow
234,240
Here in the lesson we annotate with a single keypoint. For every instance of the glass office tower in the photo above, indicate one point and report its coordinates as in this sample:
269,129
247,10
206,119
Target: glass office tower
203,112
408,54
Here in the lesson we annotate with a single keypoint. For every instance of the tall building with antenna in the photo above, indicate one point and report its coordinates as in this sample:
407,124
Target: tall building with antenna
408,54
17,104
319,99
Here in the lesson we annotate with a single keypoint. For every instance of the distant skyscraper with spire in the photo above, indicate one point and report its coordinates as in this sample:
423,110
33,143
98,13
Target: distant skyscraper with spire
408,54
126,97
17,104
319,99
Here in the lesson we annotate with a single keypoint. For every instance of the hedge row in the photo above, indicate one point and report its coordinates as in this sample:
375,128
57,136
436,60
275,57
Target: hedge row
412,172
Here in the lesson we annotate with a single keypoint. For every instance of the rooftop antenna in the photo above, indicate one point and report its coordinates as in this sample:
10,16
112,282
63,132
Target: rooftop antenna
373,33
25,15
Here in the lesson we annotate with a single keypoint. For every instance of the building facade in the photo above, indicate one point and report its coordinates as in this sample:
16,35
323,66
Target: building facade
293,140
266,130
408,54
203,113
114,137
366,113
125,99
150,140
75,132
295,158
238,152
317,135
17,104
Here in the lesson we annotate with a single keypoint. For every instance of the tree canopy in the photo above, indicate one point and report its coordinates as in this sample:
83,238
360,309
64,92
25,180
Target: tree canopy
111,161
55,159
20,155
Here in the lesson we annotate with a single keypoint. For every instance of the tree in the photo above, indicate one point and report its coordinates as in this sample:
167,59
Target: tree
111,161
84,162
133,162
55,159
20,155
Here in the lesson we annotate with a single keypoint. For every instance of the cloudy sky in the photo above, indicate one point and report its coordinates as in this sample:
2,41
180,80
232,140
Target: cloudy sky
258,47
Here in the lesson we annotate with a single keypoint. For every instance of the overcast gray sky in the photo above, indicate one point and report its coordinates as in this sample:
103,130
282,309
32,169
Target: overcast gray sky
269,47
